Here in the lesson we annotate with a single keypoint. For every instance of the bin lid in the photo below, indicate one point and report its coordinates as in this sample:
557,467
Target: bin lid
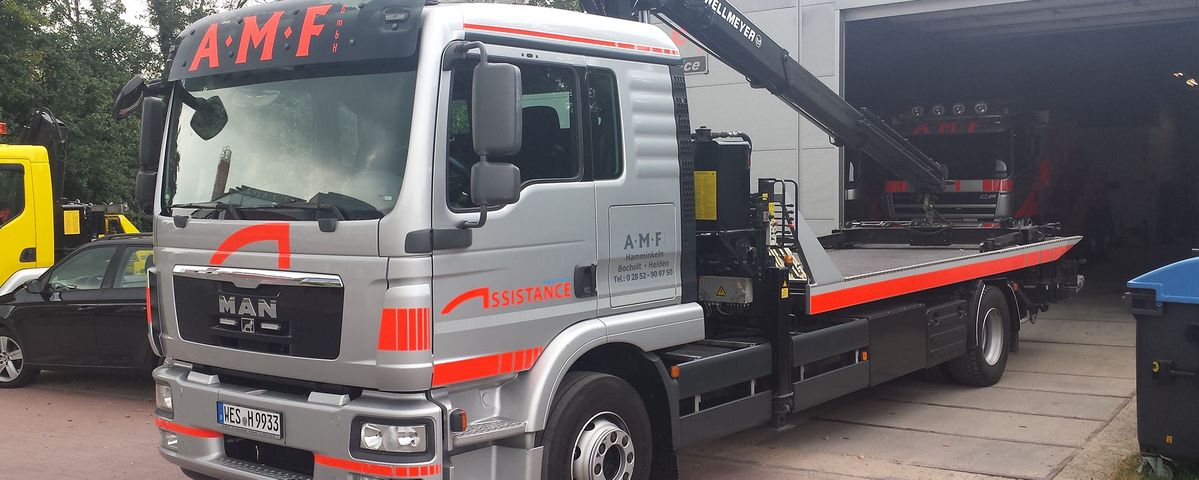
1177,282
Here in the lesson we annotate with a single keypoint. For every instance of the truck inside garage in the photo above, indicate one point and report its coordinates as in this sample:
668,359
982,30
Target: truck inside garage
1094,104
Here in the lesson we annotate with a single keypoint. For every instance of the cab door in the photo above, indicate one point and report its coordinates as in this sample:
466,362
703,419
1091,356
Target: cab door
17,230
121,320
59,322
528,273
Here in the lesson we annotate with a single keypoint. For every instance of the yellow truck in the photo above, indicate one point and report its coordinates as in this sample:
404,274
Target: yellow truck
36,227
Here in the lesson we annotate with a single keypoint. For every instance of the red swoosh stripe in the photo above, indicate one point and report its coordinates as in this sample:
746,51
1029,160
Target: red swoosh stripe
474,368
571,38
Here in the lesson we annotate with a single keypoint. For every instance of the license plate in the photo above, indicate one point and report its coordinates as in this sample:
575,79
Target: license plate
252,419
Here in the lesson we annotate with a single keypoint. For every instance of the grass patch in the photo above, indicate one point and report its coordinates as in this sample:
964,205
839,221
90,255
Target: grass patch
1130,464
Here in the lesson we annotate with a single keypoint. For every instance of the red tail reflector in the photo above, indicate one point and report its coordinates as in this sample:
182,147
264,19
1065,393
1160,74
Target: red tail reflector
3,128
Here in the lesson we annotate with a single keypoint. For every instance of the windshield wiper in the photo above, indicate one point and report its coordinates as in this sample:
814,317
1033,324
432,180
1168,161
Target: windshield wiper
229,209
314,206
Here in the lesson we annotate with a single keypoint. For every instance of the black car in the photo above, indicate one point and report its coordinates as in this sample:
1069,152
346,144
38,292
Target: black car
88,311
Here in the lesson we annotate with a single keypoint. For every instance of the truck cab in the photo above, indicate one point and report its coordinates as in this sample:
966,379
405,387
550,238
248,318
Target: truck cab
321,228
26,215
991,157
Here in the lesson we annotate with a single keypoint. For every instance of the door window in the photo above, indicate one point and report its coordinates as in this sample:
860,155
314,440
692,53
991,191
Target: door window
549,135
82,271
604,112
132,269
12,192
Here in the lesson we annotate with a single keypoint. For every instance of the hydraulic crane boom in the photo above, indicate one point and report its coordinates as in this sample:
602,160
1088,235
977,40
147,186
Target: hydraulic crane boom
728,35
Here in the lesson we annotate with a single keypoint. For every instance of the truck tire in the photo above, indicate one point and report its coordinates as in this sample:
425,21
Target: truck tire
14,373
984,363
598,430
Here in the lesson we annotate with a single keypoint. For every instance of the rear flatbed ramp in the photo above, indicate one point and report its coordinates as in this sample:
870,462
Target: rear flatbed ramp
880,272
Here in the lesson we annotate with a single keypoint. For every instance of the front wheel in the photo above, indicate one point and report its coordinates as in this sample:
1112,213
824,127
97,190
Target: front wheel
984,363
13,371
598,430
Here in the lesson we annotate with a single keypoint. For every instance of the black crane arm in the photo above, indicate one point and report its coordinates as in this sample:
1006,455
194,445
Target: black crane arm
728,35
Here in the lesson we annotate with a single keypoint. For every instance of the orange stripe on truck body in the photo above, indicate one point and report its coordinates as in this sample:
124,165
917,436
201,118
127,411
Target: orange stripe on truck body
405,330
474,368
394,471
185,430
895,287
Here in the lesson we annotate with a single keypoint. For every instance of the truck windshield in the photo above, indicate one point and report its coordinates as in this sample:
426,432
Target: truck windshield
974,156
295,146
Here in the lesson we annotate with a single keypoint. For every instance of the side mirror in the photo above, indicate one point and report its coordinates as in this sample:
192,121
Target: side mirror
153,128
495,107
496,118
494,184
128,98
33,286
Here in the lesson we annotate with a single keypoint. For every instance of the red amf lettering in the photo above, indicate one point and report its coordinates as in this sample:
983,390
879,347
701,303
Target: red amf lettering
310,29
261,37
207,50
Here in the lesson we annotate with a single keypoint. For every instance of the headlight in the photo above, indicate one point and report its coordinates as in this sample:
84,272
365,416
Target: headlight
980,108
917,111
959,109
162,397
392,438
939,110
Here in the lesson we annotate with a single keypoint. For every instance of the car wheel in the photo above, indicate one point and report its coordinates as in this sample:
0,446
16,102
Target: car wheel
14,372
598,430
983,364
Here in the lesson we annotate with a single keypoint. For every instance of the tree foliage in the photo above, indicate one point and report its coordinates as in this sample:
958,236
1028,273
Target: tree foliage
71,57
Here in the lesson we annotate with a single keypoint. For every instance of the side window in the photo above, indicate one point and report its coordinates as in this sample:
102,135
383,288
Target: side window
132,272
549,144
604,114
12,192
84,271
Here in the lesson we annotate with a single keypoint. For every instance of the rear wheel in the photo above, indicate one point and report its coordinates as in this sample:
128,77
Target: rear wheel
13,371
598,430
984,363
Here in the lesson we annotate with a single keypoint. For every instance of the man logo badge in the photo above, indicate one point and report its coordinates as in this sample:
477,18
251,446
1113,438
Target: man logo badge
247,325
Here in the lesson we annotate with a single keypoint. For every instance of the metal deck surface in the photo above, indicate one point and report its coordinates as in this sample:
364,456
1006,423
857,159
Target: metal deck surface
866,260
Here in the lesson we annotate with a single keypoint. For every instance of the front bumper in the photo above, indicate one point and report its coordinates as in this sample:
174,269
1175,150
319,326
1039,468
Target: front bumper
319,424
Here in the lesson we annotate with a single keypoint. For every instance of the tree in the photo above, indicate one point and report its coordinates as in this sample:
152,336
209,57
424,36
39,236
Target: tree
21,52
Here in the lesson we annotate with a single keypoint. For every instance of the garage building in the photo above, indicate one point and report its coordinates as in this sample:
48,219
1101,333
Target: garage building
1112,83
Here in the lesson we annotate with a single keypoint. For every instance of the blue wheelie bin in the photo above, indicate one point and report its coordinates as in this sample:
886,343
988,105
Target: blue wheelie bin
1165,303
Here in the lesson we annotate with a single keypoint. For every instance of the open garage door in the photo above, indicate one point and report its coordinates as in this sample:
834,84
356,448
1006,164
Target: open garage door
1084,112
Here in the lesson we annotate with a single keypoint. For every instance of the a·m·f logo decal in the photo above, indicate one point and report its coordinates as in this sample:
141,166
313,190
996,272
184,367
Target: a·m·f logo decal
280,233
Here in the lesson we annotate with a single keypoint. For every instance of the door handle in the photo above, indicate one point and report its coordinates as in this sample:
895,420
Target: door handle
585,281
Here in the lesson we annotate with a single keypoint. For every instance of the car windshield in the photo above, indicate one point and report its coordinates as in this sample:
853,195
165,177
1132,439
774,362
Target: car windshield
970,156
294,146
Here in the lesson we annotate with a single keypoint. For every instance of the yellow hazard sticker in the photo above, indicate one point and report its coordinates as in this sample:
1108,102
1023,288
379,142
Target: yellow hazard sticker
705,195
785,292
70,222
720,292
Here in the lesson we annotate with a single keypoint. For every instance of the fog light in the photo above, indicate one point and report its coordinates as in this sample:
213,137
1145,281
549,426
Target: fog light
392,438
168,440
162,397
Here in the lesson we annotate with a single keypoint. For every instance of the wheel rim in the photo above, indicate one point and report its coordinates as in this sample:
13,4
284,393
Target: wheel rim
603,450
11,359
992,341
